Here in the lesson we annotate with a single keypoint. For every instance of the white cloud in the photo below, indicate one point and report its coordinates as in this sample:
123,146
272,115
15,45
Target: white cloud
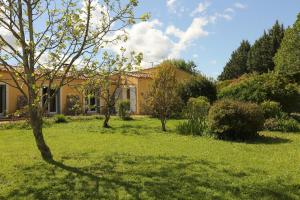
172,30
145,37
157,45
201,8
229,10
240,5
194,32
170,3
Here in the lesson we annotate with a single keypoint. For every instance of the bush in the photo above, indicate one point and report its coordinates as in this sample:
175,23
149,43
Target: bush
123,108
60,119
198,86
73,106
271,109
235,120
196,113
22,107
283,125
264,87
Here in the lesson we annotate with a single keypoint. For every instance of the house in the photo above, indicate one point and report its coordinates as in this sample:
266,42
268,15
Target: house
137,86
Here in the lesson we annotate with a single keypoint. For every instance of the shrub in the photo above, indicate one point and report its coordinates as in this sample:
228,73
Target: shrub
22,107
283,125
123,108
264,87
271,109
196,113
60,119
198,86
73,106
235,120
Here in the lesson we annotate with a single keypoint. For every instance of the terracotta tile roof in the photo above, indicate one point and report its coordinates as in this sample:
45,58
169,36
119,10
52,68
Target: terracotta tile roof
139,74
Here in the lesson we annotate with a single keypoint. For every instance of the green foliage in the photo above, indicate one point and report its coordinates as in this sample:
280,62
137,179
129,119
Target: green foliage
73,105
188,66
282,124
235,120
123,107
287,58
271,109
237,65
198,86
196,113
260,58
60,118
260,88
162,97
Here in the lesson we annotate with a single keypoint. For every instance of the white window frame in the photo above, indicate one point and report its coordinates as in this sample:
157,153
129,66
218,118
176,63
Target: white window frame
88,103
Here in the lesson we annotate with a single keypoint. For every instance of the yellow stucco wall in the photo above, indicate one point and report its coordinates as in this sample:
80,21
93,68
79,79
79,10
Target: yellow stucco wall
13,93
142,85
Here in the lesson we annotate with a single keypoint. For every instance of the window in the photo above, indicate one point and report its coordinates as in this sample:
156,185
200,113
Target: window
128,94
52,105
91,103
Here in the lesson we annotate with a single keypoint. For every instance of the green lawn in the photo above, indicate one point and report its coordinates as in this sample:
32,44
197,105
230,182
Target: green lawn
135,160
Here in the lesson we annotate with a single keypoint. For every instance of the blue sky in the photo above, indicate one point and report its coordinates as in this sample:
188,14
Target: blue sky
205,31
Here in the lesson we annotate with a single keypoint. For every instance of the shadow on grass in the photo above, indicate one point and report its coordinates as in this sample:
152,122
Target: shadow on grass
262,139
148,177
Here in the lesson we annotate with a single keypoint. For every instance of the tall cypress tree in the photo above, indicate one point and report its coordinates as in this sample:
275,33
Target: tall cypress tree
237,65
287,58
260,58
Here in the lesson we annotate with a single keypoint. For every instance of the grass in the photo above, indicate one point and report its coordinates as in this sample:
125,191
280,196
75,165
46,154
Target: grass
135,160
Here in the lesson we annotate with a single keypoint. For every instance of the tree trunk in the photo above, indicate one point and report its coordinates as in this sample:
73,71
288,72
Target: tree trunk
106,120
163,123
36,121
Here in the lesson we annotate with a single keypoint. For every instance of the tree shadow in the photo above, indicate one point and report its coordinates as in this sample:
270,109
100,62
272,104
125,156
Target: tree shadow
149,177
262,139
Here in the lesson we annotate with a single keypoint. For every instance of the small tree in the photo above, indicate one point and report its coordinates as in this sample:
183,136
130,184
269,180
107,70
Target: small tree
163,97
109,76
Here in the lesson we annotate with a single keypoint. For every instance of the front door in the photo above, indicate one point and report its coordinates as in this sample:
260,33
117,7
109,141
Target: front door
2,99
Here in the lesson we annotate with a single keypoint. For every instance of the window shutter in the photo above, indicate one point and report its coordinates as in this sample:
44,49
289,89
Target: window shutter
133,99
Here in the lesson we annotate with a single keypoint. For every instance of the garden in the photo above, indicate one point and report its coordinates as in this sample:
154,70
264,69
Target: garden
136,160
233,137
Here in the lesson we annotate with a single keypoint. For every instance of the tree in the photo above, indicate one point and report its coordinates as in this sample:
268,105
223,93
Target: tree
188,66
42,41
237,65
287,59
107,77
162,97
261,54
197,86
